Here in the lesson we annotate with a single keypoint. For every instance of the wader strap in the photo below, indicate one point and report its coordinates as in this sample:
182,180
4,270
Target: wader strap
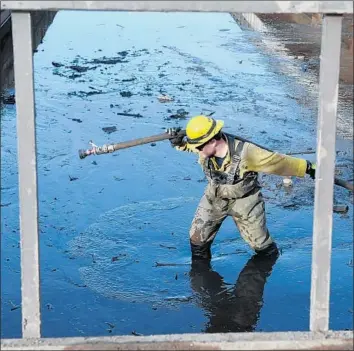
235,163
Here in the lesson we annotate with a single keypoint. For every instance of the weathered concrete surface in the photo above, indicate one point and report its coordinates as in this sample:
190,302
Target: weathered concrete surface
231,341
306,38
40,23
298,36
176,6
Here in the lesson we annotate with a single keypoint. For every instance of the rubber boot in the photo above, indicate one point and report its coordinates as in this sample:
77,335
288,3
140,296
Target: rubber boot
201,252
271,250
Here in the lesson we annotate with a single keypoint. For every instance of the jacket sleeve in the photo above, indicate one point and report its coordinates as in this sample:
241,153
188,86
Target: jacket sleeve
257,159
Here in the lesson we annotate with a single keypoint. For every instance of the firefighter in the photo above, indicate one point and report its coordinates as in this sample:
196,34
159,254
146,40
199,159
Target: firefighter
231,167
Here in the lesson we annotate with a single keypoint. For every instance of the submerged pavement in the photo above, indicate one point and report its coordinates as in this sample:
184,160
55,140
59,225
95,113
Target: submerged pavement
114,228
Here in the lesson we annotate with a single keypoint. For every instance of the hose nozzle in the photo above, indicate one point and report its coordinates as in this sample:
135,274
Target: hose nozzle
82,153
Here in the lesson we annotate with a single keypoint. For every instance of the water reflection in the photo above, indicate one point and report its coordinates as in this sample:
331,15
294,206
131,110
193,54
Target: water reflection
232,308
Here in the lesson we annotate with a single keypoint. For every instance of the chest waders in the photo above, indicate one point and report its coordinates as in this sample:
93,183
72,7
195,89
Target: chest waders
229,195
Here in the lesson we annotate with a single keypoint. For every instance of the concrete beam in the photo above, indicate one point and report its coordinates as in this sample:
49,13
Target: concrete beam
340,340
27,170
326,146
204,6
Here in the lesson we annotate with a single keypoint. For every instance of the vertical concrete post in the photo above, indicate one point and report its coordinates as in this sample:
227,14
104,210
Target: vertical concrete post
326,140
27,169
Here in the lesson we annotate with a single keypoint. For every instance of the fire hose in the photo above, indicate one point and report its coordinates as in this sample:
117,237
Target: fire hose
109,148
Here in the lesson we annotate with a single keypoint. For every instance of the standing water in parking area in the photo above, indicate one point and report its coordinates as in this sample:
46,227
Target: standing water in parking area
114,242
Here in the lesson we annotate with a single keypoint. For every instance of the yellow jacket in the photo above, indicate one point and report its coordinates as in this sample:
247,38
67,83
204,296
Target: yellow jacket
256,159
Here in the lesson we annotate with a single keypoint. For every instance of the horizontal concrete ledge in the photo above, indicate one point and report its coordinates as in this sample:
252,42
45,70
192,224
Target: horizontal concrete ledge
204,6
340,340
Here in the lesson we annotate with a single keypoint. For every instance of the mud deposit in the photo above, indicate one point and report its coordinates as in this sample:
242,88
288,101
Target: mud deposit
114,228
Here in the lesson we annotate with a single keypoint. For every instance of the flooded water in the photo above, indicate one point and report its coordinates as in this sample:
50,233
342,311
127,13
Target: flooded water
114,244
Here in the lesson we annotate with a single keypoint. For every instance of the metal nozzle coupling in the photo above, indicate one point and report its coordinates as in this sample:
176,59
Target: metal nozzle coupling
82,153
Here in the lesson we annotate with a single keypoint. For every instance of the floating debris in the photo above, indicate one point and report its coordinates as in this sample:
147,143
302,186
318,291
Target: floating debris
110,325
168,247
80,69
108,60
14,307
73,178
57,64
292,206
126,94
116,258
74,76
180,114
81,93
128,80
123,53
109,130
136,115
5,205
9,100
78,120
287,182
165,98
158,264
340,208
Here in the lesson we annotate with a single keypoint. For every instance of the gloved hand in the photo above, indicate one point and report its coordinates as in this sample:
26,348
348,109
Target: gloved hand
177,136
311,169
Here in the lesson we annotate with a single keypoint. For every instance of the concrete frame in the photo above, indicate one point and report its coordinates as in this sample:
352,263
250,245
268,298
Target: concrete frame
218,341
322,238
203,6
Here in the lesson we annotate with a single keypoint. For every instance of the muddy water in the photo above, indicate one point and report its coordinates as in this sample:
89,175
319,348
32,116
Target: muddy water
114,228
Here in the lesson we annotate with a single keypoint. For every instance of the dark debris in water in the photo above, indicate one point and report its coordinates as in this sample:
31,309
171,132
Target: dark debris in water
126,94
117,258
5,205
108,60
292,206
82,94
123,53
180,114
128,80
57,64
340,208
9,99
15,307
135,115
168,247
78,120
81,69
109,130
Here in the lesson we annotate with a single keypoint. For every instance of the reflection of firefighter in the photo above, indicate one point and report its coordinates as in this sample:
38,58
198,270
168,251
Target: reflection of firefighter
233,308
231,167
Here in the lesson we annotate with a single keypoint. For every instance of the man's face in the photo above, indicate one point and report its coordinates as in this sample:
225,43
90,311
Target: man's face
207,149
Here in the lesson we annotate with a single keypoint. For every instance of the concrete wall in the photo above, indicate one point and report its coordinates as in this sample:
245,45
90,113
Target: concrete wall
307,28
40,23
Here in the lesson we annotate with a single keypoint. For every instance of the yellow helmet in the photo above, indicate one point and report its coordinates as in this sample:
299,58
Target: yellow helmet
201,129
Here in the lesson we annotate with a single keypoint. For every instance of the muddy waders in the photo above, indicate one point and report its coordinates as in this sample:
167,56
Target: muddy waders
228,195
